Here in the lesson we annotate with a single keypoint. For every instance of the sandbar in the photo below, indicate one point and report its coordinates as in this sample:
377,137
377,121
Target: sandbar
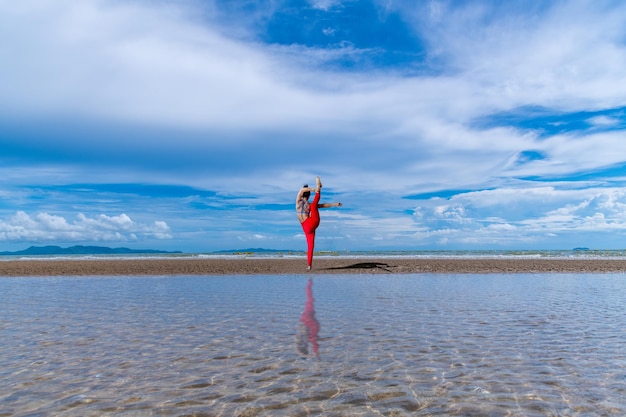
291,266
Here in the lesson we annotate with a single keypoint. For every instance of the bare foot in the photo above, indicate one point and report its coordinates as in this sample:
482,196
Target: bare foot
318,182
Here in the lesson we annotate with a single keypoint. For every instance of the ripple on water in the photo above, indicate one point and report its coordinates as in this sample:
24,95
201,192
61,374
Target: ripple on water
498,345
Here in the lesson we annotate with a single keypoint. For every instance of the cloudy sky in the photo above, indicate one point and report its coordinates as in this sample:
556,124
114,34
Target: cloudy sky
190,124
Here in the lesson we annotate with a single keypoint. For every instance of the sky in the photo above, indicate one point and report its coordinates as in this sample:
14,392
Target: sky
190,125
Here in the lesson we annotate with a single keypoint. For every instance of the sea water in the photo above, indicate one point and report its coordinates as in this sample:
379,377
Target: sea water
579,253
390,345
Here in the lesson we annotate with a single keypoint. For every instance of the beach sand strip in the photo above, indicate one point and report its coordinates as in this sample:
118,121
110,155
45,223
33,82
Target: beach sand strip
278,266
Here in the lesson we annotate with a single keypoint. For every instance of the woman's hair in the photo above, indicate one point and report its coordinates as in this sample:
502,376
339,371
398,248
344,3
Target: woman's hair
306,194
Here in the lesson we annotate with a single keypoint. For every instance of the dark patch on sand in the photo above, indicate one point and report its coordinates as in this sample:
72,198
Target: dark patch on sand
365,265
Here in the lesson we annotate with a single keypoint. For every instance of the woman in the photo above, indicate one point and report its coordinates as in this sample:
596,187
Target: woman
309,215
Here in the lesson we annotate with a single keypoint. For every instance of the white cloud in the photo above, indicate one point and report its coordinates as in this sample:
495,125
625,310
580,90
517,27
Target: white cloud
325,4
159,65
128,62
603,121
568,55
47,227
507,216
142,60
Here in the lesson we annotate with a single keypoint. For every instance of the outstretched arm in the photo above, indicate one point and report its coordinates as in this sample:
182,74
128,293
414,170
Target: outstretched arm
329,205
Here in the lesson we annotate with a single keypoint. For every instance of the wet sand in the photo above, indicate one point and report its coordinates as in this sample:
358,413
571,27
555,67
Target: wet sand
298,266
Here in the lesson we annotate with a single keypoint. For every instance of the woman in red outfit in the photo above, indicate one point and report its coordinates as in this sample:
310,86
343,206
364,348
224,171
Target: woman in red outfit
309,215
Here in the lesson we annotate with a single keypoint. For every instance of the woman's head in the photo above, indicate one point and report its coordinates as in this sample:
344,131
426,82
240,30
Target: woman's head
306,194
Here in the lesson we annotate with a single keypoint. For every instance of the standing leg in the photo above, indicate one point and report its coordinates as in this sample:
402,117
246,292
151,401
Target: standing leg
310,243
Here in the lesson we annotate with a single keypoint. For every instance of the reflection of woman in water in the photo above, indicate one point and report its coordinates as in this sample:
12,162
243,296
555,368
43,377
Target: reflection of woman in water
309,327
309,215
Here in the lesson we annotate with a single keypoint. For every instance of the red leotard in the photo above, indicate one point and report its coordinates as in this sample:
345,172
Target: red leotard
309,226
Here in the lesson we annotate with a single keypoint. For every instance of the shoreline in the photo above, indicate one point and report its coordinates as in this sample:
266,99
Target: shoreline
297,266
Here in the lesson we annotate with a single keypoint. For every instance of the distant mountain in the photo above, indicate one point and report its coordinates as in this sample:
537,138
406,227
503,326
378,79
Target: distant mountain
80,250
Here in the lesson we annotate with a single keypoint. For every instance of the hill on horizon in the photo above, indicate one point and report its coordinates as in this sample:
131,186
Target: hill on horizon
81,250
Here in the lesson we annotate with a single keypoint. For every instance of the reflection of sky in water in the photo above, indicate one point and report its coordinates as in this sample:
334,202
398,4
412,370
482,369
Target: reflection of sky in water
519,345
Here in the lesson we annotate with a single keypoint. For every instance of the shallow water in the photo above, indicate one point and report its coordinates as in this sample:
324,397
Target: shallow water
391,345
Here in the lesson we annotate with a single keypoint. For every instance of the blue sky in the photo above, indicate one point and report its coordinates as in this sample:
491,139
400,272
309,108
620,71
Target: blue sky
190,125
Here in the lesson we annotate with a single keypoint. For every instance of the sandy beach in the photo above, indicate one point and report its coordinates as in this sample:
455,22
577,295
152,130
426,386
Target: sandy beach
187,266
